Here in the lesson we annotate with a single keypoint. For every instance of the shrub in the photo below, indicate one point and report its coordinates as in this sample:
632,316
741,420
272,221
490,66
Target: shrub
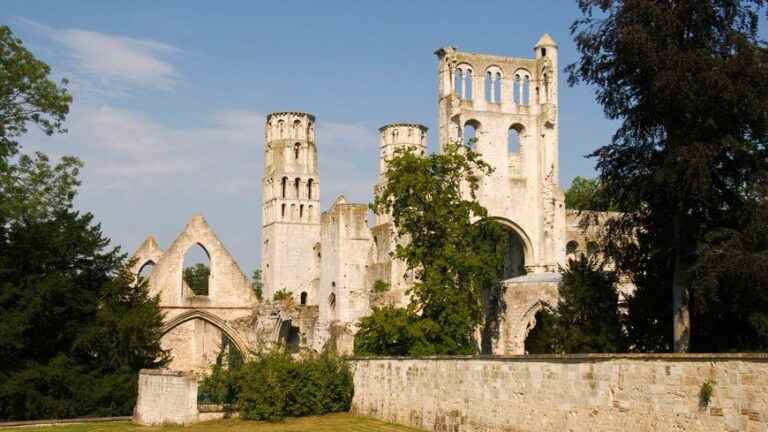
274,385
391,331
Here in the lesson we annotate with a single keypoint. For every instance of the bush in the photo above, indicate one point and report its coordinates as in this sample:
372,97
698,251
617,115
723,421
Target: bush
274,385
391,331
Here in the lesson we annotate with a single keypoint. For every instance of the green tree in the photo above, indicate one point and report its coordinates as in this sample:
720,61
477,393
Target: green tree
196,278
391,331
587,318
731,290
74,330
687,80
587,194
257,284
27,94
457,263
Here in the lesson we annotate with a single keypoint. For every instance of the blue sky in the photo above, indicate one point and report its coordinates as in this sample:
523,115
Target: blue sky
170,96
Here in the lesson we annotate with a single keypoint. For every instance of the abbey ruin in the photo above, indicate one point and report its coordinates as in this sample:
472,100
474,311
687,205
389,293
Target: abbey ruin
328,261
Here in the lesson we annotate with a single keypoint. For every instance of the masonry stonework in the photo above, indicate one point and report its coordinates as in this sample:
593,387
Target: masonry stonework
329,262
621,393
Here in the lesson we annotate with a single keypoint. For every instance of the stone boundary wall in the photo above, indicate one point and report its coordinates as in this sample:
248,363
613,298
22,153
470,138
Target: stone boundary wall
538,393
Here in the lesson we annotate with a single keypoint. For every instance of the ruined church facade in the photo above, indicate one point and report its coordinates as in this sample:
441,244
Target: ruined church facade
326,265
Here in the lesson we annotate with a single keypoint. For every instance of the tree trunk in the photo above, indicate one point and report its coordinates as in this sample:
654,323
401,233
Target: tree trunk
681,327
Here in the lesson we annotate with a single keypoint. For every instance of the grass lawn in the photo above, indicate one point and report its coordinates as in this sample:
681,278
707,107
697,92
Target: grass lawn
328,423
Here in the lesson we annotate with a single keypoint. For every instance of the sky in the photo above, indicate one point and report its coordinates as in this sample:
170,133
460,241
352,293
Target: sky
170,97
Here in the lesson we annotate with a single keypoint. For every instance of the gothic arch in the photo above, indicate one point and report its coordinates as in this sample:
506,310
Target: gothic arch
217,322
528,321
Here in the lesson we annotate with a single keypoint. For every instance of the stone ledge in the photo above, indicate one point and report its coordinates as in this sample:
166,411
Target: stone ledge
164,371
565,358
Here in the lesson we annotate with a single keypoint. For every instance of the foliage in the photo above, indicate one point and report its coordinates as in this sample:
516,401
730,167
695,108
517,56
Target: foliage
27,94
257,284
457,263
687,80
281,296
380,287
391,331
75,330
731,289
197,277
588,194
587,318
706,392
274,385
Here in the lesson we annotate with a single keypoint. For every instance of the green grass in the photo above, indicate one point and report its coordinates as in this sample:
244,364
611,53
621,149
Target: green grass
327,423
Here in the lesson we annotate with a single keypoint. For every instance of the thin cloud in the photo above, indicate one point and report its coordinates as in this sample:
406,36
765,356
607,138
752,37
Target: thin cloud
102,60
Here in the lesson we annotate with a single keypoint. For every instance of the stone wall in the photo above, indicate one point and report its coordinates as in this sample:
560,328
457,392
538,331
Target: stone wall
169,397
166,397
574,393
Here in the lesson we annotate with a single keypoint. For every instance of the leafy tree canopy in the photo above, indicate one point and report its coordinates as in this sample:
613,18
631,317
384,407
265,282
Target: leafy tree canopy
457,263
687,79
27,94
196,278
588,194
586,319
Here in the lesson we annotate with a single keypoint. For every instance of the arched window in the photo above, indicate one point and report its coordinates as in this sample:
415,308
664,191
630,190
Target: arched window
293,212
296,150
280,128
303,298
310,213
332,300
296,184
462,79
470,133
513,138
196,273
522,87
489,84
526,90
468,79
284,185
301,212
497,88
145,270
309,188
282,211
297,129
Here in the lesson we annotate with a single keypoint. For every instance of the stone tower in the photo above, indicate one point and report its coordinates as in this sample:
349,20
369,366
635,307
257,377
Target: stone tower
290,206
509,105
393,137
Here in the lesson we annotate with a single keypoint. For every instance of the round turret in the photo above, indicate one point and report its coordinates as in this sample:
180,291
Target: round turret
399,136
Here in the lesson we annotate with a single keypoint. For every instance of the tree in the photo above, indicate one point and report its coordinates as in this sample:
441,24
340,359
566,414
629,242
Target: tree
257,284
457,263
196,278
27,95
75,330
587,318
687,80
587,194
391,331
731,289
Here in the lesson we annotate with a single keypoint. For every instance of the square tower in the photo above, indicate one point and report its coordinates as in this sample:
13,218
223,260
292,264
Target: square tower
290,207
509,107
